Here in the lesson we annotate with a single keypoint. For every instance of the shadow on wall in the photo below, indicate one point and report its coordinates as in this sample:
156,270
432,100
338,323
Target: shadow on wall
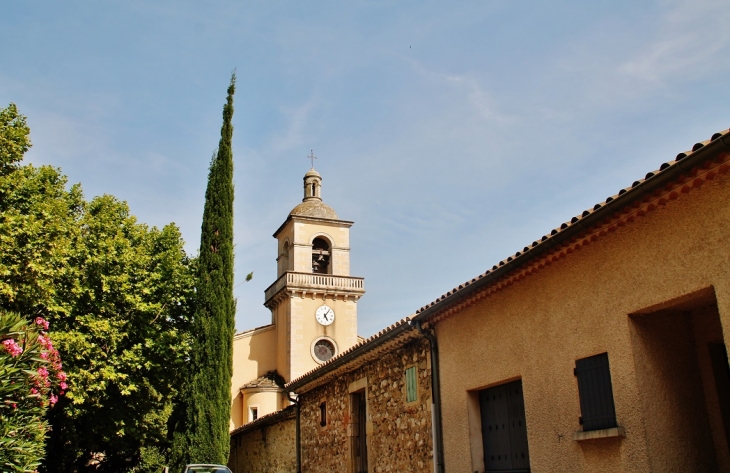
684,383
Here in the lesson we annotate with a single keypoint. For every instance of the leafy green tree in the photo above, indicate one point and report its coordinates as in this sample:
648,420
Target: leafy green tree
14,138
202,435
127,341
118,295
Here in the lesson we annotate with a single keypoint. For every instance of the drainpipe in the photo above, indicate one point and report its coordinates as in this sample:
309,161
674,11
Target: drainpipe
298,447
438,442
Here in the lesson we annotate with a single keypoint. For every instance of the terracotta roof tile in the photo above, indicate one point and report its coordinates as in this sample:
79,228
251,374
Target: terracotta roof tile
266,420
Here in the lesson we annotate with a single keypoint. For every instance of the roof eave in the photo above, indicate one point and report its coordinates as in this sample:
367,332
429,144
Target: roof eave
335,221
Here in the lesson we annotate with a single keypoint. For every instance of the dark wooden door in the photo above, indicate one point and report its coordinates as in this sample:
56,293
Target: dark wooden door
359,439
504,432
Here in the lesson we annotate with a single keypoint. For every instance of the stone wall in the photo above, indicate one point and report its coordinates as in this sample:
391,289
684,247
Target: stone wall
398,434
266,445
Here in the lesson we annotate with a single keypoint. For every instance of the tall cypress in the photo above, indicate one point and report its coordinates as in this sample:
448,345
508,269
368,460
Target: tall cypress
201,435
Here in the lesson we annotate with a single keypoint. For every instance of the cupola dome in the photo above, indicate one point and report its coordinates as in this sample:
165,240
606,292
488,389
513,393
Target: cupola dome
312,205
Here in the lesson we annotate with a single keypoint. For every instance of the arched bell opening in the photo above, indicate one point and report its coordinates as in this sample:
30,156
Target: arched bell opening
321,256
284,259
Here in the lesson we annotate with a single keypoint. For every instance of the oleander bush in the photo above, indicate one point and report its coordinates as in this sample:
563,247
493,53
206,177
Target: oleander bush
31,380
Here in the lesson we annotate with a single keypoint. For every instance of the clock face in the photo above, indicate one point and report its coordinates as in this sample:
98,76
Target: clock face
323,350
325,315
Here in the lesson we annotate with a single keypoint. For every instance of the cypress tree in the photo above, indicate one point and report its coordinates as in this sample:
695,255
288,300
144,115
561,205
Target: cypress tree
202,435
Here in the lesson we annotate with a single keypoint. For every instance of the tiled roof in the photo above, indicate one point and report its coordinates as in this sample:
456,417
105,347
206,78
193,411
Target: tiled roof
684,164
271,379
268,419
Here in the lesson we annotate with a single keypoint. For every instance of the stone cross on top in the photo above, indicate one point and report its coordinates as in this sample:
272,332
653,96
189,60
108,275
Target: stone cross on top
312,157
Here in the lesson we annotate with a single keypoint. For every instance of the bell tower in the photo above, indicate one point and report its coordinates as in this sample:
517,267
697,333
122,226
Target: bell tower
313,301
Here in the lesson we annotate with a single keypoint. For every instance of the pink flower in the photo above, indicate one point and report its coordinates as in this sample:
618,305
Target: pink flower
54,399
46,342
40,321
44,355
34,390
62,376
64,386
12,347
43,372
15,406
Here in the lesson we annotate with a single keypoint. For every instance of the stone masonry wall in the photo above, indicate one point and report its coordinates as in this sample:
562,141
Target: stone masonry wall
268,447
398,434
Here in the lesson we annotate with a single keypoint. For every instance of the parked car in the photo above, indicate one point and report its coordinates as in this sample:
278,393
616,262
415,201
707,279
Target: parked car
203,468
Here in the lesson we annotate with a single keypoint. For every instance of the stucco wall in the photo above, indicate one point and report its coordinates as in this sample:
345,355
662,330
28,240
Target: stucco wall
269,448
579,306
253,355
398,435
305,330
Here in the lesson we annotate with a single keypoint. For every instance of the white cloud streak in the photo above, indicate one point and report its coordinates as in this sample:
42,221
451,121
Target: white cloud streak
693,38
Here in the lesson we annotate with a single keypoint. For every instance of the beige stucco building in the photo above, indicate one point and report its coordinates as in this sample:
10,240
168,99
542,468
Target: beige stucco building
313,305
600,347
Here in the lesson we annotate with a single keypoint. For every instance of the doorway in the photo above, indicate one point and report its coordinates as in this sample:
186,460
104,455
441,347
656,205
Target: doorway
358,439
684,383
504,432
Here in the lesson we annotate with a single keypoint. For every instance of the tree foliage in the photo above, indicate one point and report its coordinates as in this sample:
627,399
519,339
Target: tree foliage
117,294
202,436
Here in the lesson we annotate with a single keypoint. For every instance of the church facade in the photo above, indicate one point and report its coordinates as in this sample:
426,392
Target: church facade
313,305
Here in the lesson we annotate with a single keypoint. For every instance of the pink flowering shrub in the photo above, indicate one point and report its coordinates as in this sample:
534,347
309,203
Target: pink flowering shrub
31,381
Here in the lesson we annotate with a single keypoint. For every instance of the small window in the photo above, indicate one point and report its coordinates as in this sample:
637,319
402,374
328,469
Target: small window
323,414
597,410
411,384
254,413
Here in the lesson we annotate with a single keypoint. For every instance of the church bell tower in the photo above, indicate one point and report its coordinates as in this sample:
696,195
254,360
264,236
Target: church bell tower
313,301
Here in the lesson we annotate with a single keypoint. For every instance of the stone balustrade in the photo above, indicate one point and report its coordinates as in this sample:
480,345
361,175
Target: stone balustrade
316,283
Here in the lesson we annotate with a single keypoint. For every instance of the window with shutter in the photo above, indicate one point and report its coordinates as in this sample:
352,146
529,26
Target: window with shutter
595,392
411,384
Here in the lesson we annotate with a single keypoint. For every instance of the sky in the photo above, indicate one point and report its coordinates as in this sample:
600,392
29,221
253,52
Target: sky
452,133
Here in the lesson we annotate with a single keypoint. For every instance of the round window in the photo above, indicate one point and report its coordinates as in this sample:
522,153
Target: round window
323,349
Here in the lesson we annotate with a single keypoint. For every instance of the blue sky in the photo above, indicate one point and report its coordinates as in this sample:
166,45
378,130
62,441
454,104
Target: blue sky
452,133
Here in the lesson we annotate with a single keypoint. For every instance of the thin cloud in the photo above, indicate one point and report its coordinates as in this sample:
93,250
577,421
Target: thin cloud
294,136
478,97
469,88
692,39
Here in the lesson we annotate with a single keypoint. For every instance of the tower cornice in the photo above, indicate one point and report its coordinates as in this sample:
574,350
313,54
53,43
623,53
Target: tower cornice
301,218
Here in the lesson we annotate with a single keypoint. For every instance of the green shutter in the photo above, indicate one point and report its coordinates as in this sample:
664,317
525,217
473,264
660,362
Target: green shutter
411,382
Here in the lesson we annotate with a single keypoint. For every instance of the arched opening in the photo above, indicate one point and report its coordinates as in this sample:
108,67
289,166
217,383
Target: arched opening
320,256
284,259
